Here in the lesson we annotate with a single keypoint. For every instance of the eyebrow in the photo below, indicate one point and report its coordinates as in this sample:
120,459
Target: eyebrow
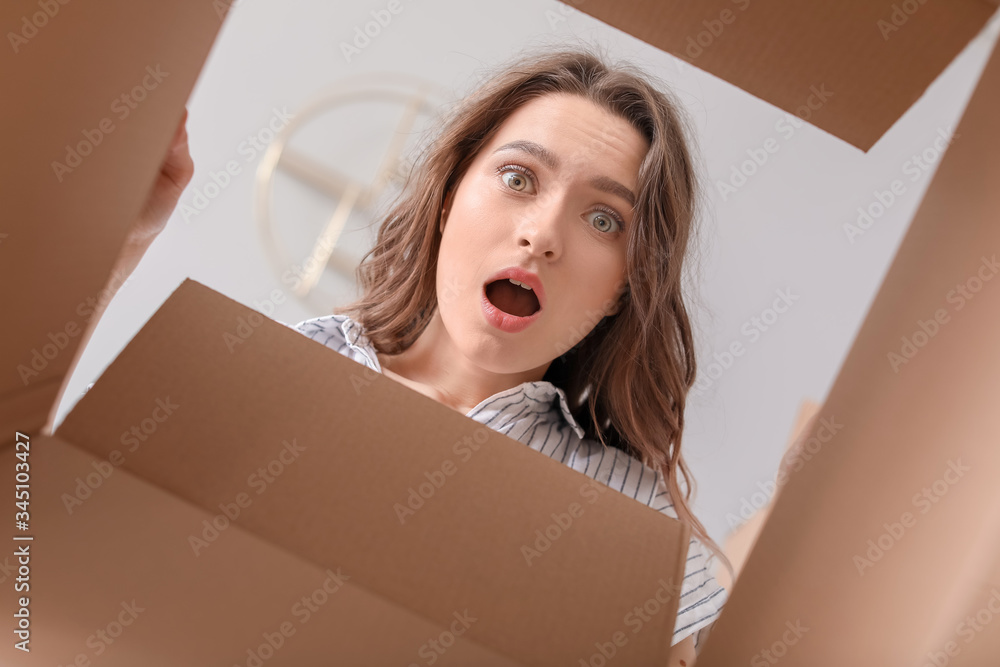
549,159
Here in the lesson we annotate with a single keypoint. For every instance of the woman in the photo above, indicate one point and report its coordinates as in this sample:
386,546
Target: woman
529,276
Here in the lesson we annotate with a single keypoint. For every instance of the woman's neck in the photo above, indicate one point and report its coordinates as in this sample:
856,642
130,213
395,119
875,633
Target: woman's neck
435,367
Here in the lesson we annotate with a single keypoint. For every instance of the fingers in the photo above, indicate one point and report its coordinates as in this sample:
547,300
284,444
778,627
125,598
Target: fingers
180,136
178,166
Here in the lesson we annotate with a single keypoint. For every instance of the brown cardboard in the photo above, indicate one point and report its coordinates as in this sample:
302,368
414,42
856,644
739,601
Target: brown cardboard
896,433
851,67
974,642
61,232
128,544
221,391
902,432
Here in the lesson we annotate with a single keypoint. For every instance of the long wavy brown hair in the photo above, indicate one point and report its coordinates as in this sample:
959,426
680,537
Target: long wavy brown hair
628,379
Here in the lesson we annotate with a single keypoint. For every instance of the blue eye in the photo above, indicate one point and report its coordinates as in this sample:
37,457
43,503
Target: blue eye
608,221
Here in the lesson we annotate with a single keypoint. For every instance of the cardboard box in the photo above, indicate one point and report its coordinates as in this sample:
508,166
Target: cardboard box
155,539
863,63
123,562
216,485
887,537
73,154
883,547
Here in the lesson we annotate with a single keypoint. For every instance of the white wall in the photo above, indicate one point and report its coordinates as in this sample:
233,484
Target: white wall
782,230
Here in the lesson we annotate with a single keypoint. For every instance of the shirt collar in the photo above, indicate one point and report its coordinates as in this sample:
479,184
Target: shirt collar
356,338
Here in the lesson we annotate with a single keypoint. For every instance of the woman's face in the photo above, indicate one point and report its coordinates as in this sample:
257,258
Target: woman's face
552,194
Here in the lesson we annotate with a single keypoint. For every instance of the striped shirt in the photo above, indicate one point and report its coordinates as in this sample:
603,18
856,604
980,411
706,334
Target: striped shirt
537,414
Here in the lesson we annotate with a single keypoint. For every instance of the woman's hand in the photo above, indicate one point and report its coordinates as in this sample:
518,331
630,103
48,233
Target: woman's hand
176,171
682,654
175,174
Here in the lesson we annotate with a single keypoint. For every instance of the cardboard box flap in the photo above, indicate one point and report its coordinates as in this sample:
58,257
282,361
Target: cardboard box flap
85,130
976,638
122,590
345,467
851,68
887,531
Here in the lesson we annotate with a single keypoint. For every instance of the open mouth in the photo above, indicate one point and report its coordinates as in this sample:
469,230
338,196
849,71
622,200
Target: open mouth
512,298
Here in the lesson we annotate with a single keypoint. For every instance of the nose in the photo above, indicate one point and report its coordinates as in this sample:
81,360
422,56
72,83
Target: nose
540,231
